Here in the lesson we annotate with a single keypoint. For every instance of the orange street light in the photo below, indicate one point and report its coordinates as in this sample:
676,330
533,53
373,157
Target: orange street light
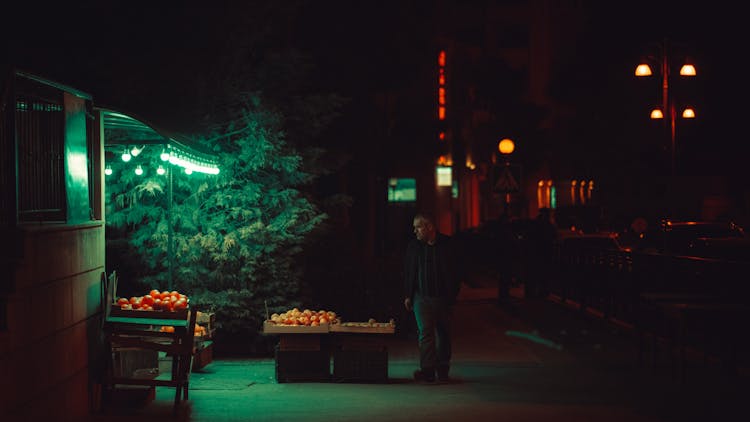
506,146
668,106
667,111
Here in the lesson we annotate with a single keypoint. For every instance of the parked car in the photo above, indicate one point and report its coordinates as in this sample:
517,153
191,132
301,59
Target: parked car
682,237
725,248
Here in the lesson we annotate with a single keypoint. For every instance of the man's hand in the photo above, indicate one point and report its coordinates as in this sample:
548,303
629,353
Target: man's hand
407,304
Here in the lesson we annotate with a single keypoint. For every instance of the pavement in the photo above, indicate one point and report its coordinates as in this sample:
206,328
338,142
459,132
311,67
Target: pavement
531,360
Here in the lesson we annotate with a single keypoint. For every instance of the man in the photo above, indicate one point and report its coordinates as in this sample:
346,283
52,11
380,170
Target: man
432,280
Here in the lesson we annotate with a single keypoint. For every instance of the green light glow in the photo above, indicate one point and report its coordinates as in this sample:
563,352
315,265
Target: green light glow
535,338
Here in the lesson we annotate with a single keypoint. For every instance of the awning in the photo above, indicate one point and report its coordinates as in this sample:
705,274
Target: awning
125,130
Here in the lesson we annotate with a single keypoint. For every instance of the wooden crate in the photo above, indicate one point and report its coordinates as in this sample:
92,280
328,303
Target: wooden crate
203,355
303,365
300,342
360,366
271,328
132,363
359,341
363,328
206,318
208,321
115,311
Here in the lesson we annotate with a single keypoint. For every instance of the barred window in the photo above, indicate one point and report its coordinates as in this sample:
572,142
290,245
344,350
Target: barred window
40,129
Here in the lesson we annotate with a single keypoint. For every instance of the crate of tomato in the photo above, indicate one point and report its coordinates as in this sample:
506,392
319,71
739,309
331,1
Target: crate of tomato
155,304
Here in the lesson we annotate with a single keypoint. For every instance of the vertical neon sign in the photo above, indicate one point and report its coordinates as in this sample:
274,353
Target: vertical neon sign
441,85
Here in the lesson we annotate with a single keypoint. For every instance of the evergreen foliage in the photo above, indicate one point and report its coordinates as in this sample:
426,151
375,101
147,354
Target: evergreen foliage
237,236
240,237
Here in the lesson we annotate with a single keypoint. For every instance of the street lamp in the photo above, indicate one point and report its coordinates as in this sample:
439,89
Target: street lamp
506,147
506,183
668,107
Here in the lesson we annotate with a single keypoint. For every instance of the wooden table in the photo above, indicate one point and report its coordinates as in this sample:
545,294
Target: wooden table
144,333
141,330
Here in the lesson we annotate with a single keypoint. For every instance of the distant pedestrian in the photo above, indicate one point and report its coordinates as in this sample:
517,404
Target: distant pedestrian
504,250
432,280
543,234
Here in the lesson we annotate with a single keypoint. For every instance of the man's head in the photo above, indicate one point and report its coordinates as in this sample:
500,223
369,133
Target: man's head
424,228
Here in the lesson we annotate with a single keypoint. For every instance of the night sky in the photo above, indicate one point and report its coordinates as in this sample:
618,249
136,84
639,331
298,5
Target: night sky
154,57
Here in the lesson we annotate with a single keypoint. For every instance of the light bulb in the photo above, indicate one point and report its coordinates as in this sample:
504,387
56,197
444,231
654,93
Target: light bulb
160,171
139,170
108,170
126,156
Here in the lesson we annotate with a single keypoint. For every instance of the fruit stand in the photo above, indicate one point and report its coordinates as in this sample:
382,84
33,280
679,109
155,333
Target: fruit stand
169,331
306,351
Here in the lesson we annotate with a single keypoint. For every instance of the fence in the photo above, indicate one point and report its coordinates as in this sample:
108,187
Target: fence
684,302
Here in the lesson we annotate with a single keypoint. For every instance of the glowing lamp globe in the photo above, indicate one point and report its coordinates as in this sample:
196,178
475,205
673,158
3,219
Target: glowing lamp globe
506,146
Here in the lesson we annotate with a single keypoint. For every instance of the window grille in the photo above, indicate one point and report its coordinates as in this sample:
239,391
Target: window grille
40,129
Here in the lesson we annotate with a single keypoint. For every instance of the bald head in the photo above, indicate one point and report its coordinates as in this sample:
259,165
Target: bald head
424,228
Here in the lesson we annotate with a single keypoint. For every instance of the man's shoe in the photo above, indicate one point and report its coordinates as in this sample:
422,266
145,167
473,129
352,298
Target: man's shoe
423,375
442,374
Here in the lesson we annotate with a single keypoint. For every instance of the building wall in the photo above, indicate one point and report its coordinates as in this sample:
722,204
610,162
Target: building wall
51,350
53,321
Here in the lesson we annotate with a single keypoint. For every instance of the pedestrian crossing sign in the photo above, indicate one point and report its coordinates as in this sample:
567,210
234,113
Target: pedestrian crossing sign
507,182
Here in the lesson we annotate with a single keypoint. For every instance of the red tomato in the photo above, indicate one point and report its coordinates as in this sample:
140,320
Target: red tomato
123,301
154,293
180,304
147,300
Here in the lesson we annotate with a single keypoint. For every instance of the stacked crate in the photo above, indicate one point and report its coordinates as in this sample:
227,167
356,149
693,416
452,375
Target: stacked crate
360,365
361,353
204,343
302,353
352,351
302,357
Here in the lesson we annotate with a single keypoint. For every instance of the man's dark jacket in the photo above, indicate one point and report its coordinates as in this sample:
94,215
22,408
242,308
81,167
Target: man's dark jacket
449,269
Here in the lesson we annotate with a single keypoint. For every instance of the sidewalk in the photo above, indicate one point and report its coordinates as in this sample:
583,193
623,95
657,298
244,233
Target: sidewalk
533,361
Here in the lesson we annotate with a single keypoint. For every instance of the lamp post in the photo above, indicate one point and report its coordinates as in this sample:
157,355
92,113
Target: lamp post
170,229
668,109
506,181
